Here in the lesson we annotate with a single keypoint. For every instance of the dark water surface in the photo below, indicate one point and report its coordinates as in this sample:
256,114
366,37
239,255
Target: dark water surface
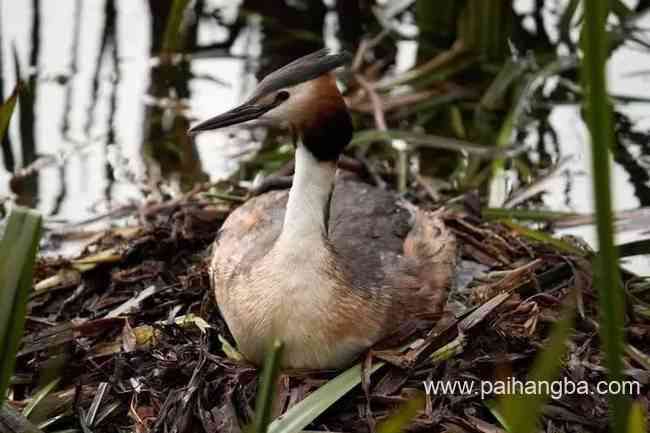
108,119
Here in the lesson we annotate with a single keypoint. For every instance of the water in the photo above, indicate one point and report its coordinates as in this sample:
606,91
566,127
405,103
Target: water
108,121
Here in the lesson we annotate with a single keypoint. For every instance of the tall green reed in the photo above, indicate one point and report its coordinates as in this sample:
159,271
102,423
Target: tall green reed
598,114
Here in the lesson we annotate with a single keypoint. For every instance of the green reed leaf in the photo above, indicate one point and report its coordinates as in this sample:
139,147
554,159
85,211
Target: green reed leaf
17,253
598,114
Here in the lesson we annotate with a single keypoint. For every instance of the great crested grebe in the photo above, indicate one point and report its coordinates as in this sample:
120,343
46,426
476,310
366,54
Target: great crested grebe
334,265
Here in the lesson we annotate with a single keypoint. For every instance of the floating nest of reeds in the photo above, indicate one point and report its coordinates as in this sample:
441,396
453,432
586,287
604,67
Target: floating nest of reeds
127,337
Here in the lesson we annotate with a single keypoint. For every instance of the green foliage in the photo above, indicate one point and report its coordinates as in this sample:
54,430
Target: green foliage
303,413
637,419
526,214
17,253
39,396
485,27
400,420
7,109
437,19
266,392
173,38
306,411
540,236
521,412
598,114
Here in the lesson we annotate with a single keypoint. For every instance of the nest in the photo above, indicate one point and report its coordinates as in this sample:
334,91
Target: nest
134,342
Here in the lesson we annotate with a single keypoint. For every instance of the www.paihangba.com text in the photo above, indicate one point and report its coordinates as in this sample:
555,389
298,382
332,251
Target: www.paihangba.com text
513,386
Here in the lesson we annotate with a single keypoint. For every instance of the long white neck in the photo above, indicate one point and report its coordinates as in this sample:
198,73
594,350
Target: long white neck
305,220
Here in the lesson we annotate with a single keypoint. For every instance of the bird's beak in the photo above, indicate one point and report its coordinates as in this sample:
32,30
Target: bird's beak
244,113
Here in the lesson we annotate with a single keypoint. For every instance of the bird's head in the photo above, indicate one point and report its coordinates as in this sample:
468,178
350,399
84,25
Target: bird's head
301,97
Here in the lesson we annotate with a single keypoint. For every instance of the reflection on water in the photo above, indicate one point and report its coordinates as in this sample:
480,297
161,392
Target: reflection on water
105,116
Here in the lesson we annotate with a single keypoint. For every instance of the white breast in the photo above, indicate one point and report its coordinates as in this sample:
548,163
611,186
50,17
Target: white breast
293,300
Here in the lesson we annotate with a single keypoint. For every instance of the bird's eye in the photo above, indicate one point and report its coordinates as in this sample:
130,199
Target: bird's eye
282,96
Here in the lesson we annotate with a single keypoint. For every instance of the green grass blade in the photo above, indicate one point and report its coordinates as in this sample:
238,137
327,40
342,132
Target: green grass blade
522,412
485,27
173,37
402,417
264,401
6,110
495,409
437,20
540,236
511,71
426,140
497,191
621,10
39,396
531,82
599,121
17,253
303,413
637,422
526,214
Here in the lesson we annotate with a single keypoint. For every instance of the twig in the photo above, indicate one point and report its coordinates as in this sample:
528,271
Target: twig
118,212
364,46
375,100
132,304
147,211
371,171
440,60
395,102
427,187
380,121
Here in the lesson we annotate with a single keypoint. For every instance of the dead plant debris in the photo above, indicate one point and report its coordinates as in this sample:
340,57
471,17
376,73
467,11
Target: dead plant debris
131,331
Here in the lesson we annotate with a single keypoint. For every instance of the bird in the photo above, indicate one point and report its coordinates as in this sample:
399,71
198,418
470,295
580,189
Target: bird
334,265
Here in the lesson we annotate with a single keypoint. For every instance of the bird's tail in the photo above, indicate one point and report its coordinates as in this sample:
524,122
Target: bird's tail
432,245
